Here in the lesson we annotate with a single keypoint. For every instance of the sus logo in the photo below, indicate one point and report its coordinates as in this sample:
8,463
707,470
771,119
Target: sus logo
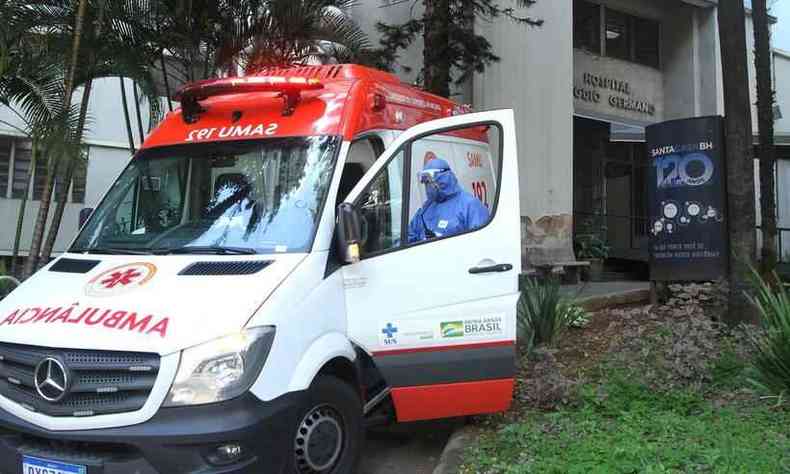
120,279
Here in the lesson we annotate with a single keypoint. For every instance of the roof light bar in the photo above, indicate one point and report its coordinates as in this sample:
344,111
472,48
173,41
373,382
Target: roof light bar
290,89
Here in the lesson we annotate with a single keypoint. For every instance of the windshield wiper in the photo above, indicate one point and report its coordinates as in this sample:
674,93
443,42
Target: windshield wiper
109,251
210,249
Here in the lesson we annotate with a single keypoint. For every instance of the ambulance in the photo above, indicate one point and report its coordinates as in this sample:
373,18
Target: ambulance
244,298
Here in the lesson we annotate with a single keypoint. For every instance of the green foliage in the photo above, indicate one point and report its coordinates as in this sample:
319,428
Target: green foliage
772,346
624,426
575,315
728,370
7,283
589,246
542,313
454,49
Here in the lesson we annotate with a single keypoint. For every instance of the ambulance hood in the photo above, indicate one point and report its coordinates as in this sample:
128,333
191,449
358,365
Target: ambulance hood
140,303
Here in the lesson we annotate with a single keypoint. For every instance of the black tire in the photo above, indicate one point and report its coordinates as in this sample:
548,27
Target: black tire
329,431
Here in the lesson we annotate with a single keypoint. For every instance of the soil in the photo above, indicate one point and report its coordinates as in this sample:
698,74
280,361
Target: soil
674,344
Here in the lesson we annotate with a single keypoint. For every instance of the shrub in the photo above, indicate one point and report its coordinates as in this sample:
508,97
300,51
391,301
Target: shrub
772,345
542,313
7,282
575,315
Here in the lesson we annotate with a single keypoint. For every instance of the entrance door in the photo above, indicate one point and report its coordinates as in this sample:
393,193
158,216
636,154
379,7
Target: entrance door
433,298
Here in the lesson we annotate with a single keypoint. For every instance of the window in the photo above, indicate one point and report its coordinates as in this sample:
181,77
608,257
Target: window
381,207
646,38
451,185
22,159
361,156
79,181
16,156
257,196
5,163
587,26
625,36
618,35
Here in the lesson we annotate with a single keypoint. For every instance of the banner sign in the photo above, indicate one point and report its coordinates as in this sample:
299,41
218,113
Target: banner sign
686,200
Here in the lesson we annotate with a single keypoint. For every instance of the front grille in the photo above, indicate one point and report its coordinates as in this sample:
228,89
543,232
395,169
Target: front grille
101,382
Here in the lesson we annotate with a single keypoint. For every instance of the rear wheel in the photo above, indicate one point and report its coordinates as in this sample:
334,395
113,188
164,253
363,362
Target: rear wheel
329,431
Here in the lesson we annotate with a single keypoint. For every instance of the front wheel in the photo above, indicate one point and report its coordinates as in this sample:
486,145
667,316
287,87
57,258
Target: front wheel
329,431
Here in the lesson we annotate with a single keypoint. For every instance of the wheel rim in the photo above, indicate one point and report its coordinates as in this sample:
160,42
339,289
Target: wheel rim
319,440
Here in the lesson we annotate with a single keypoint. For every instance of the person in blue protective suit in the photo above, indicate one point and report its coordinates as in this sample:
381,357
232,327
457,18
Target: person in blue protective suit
449,209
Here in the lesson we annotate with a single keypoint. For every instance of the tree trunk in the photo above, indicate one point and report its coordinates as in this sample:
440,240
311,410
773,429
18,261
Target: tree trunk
20,220
62,196
166,81
125,105
436,38
75,50
41,220
31,263
767,151
137,111
740,165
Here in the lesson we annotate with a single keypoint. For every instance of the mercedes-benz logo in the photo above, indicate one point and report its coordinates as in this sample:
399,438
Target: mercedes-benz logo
51,379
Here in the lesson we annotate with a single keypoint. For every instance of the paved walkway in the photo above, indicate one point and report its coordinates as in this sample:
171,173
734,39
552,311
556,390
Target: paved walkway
603,288
412,448
599,295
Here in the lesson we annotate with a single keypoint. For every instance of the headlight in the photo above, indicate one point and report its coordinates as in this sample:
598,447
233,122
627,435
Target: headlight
220,369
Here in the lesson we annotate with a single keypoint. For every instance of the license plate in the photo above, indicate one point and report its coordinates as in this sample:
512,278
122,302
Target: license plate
31,465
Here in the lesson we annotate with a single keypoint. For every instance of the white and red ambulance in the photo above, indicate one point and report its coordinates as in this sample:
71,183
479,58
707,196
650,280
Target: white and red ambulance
244,298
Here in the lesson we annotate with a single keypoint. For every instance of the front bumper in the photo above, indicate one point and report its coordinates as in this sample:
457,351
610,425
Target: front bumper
174,441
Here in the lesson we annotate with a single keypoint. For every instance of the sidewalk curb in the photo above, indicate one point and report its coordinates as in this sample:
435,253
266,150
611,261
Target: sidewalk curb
452,455
599,302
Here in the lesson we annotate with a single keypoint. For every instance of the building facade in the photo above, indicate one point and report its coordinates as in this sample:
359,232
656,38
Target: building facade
106,151
583,87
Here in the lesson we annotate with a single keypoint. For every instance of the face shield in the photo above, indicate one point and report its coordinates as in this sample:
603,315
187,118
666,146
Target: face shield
430,176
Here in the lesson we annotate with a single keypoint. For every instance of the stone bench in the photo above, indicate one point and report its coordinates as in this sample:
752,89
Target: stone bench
569,270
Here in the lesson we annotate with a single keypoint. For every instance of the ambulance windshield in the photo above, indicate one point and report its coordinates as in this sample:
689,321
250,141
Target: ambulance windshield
262,196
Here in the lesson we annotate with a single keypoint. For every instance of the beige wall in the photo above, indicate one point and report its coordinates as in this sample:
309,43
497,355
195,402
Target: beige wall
535,78
782,86
645,85
104,165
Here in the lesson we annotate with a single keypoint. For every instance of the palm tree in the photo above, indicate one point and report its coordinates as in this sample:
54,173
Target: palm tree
33,87
765,119
740,165
90,33
306,32
199,39
184,40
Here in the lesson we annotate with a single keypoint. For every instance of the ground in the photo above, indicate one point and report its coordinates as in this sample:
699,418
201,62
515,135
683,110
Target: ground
412,448
641,389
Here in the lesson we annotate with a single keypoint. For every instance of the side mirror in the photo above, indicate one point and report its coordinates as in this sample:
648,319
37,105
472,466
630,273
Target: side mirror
85,213
349,233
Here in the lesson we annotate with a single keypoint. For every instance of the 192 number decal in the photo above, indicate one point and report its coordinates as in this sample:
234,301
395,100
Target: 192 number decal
480,190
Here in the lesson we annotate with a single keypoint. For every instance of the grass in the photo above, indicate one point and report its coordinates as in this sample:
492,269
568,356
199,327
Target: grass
622,426
668,391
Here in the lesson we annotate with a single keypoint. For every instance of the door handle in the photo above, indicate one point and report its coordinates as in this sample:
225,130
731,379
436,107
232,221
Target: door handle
501,267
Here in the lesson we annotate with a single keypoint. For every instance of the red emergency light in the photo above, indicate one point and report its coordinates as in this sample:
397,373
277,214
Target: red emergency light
290,89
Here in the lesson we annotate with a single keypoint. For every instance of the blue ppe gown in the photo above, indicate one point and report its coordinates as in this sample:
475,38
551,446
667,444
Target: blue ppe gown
448,210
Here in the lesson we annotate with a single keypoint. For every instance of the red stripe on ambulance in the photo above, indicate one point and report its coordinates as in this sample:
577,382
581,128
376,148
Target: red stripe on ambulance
429,402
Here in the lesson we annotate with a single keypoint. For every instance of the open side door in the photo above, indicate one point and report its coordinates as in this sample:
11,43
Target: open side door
437,311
